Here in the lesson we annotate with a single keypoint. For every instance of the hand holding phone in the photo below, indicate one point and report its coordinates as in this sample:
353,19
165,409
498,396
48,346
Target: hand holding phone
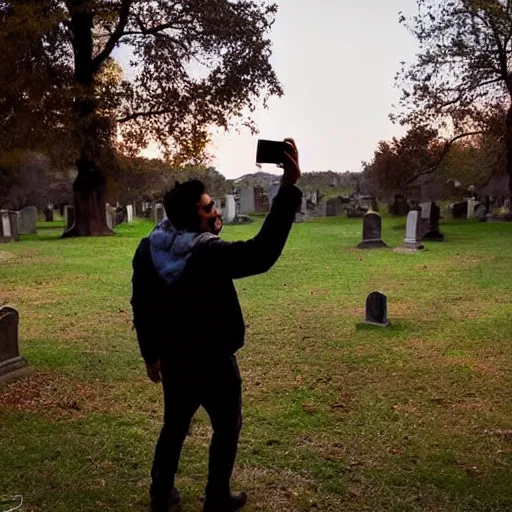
283,154
292,172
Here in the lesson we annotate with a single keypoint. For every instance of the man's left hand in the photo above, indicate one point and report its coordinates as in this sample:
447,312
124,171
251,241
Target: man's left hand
154,372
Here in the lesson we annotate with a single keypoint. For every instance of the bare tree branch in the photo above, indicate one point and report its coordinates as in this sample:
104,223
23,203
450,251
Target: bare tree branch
137,115
124,13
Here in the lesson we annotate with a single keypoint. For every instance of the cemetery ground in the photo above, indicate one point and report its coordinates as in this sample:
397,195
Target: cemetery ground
337,415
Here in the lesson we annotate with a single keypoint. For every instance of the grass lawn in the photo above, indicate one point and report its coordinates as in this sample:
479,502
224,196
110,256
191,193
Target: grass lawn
337,416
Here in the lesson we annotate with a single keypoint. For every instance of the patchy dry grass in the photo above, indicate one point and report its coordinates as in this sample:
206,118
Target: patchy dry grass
337,415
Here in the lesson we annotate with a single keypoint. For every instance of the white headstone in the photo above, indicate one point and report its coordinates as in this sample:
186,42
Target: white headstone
411,229
471,208
129,213
6,224
229,213
425,210
108,215
158,213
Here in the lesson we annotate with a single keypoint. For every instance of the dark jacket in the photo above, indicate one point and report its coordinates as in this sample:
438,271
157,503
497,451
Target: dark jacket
198,315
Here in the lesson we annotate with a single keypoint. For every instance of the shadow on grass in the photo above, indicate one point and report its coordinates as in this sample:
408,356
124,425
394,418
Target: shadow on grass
392,329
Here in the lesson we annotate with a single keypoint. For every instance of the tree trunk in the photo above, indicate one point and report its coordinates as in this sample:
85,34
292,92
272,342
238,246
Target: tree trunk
89,186
508,143
89,202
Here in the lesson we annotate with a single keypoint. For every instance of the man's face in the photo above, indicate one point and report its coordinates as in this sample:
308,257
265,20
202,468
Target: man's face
208,215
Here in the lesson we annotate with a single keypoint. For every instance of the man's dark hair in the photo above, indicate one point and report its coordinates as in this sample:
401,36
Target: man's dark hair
180,204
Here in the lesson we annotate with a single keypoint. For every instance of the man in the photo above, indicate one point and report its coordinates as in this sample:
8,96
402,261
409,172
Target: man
189,325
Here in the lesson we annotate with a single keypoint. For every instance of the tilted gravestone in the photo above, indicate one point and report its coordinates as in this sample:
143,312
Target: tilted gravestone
412,240
11,363
433,233
8,226
27,221
377,310
372,228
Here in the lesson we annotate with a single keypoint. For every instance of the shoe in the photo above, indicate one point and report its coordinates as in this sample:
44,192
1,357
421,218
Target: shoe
231,504
166,505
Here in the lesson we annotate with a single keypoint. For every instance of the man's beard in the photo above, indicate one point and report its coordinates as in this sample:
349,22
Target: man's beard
212,225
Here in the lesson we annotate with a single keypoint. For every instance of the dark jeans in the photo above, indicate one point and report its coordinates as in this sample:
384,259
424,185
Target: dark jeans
217,387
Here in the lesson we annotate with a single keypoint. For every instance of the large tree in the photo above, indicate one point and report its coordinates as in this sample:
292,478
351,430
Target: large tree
188,65
401,161
462,72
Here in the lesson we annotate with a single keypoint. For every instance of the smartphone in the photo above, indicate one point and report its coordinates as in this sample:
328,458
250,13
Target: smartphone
270,152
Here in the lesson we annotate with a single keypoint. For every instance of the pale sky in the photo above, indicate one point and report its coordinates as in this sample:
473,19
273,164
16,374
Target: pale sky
336,60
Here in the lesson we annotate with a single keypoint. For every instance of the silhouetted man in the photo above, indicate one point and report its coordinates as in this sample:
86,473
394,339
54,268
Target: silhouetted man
189,325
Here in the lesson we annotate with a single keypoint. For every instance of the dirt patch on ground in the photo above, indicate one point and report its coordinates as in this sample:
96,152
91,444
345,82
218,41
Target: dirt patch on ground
54,396
7,256
283,490
36,295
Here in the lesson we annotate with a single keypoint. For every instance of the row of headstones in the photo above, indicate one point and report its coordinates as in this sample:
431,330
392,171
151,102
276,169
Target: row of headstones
472,208
13,224
114,215
12,364
227,206
422,225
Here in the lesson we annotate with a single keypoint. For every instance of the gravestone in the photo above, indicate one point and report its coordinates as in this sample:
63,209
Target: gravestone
399,207
372,227
472,204
48,214
433,233
129,213
118,215
356,213
411,241
426,208
261,203
108,216
8,226
11,363
27,221
158,213
69,215
481,213
460,210
247,203
301,214
334,207
377,310
229,212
